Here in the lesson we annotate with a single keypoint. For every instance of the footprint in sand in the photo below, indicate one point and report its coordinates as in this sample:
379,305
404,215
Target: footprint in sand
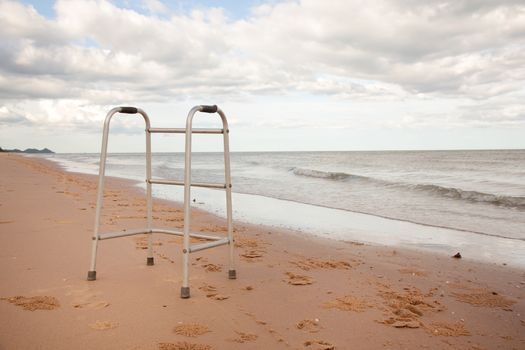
85,299
93,305
103,325
243,337
34,303
212,267
484,298
184,346
245,242
267,327
252,255
406,308
347,303
318,345
447,329
298,280
208,288
164,257
212,293
312,263
191,329
307,325
141,242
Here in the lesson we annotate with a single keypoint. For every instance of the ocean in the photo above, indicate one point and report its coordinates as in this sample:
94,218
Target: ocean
438,200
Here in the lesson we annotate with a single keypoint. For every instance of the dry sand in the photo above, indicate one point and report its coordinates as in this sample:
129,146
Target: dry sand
293,291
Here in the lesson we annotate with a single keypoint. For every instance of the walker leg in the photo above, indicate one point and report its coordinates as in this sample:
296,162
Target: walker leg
185,289
150,261
232,274
185,292
149,200
92,273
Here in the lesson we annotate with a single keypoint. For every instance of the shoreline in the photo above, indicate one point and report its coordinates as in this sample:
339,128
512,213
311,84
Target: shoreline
293,291
342,224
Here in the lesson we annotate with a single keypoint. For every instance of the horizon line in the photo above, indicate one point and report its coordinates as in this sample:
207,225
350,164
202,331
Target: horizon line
311,151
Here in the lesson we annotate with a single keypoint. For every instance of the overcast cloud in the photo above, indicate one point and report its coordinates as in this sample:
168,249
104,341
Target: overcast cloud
92,55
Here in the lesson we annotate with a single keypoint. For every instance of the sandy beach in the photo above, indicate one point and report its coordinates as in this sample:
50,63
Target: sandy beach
293,291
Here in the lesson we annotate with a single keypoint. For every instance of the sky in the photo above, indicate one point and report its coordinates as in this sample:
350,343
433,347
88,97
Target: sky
290,75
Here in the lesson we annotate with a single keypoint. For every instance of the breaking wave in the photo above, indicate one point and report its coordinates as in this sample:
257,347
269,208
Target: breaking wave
473,196
321,174
448,192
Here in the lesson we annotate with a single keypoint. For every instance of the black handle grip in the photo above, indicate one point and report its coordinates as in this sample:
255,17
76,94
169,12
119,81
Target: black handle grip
128,110
209,109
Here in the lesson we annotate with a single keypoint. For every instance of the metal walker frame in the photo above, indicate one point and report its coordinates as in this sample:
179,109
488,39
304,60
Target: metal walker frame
214,241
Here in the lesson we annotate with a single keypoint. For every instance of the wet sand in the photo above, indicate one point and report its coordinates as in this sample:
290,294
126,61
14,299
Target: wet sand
293,291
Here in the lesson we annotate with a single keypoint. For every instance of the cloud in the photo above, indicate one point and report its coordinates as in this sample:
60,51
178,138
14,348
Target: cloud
508,112
24,22
154,6
96,53
433,47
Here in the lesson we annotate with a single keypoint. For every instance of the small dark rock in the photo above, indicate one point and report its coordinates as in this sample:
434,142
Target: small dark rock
457,255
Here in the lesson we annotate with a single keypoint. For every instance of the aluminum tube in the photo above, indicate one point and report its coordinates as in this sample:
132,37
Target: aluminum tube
101,176
181,183
202,246
168,232
227,179
100,191
117,234
149,199
139,231
187,199
195,235
183,131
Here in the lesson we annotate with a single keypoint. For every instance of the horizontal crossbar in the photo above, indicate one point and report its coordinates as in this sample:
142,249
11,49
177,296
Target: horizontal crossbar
140,231
183,131
132,232
195,235
208,245
181,183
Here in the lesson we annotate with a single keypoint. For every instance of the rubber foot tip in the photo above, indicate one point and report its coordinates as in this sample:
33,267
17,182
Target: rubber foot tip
232,274
185,292
92,275
150,261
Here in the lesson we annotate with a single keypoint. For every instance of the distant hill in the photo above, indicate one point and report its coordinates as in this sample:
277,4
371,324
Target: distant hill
28,150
